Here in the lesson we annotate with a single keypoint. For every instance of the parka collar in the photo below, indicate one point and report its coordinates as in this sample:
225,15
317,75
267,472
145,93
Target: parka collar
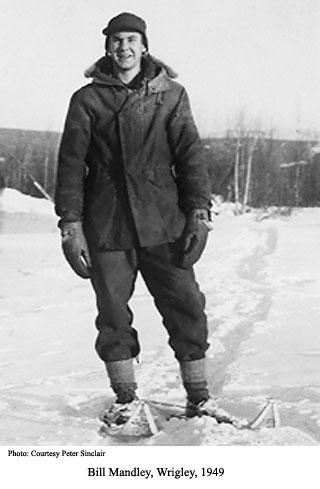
156,74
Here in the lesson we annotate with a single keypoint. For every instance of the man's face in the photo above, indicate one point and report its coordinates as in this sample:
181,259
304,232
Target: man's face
126,49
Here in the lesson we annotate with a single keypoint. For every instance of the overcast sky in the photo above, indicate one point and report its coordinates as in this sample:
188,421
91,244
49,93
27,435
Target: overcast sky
260,56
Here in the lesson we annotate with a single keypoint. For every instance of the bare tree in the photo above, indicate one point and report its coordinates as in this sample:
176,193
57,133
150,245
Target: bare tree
236,177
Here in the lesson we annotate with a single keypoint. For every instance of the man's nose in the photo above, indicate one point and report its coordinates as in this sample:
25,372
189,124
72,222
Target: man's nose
124,44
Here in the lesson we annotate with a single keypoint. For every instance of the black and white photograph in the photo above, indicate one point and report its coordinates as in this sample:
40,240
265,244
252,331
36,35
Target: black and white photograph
159,231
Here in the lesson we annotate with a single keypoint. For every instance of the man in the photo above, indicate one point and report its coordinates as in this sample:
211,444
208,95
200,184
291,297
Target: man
133,195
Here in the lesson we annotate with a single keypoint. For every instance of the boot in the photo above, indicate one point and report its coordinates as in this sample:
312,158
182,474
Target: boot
119,413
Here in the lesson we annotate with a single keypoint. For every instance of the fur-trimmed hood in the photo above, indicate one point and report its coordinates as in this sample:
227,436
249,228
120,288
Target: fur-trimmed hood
155,72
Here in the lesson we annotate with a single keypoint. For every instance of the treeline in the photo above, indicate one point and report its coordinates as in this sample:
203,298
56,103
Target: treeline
257,170
250,168
28,161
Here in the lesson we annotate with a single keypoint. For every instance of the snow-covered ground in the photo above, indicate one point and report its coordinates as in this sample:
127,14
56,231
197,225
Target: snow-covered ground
261,278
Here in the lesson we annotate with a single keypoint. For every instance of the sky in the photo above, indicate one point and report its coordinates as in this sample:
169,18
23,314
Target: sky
253,57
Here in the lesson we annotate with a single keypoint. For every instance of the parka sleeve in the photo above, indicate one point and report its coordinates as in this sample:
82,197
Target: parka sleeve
71,161
192,172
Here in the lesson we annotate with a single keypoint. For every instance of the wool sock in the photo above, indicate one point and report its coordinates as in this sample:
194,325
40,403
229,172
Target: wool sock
193,374
122,380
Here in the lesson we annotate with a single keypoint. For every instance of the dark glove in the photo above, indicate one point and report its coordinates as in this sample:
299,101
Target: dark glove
194,237
75,248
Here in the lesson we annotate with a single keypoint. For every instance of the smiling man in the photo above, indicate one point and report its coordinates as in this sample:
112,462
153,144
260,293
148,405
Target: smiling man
126,49
133,195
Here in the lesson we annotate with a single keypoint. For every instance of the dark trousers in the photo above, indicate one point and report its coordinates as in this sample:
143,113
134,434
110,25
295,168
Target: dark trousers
176,295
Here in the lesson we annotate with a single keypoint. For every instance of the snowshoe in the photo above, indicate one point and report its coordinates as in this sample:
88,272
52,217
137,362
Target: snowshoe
164,411
211,408
133,419
141,418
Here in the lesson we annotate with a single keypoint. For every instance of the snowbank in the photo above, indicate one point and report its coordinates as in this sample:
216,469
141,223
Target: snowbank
22,214
12,200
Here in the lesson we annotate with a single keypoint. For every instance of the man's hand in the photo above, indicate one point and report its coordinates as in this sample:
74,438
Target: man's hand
75,248
194,237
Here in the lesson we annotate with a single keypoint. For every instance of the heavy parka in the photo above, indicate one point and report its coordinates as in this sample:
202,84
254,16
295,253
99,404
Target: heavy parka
130,161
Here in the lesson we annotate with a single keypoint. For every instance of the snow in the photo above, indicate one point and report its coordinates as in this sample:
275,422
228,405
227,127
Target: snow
261,278
14,201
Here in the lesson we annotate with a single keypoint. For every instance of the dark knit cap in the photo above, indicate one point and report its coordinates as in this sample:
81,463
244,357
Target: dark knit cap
127,22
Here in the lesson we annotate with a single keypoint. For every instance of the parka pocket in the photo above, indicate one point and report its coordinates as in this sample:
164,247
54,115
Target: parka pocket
161,177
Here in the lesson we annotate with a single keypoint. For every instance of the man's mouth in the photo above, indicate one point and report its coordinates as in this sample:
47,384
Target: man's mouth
124,57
